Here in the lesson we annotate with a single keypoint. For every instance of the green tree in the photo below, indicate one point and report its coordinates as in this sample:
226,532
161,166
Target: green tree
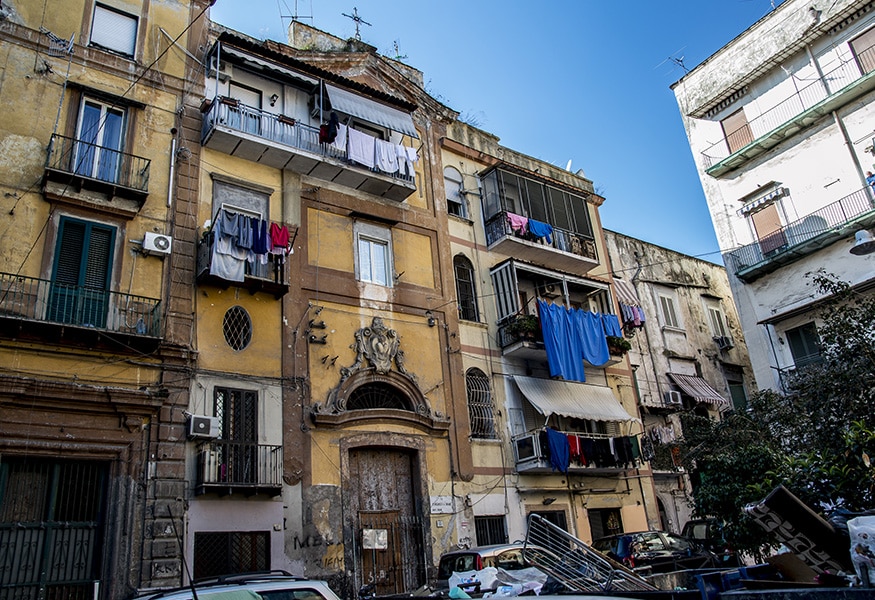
816,439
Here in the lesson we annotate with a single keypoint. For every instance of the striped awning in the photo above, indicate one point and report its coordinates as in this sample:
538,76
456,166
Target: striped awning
699,389
626,292
571,399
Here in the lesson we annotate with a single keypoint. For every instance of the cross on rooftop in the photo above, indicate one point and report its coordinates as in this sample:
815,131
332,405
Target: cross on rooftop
357,20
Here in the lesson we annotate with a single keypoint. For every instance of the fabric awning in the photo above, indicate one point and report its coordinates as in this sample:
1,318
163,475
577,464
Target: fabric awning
374,112
570,399
266,64
626,292
699,389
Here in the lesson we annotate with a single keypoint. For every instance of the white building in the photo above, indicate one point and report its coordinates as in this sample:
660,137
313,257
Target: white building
780,123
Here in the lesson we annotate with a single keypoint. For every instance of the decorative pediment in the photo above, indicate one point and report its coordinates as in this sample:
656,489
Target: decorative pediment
381,347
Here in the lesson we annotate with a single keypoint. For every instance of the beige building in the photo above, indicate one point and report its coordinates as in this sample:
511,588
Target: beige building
688,354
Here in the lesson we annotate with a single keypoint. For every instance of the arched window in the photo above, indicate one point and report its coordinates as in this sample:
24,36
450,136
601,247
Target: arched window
480,405
466,295
377,395
456,204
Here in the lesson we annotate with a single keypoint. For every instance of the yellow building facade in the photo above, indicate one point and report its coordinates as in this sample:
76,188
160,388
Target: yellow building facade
92,95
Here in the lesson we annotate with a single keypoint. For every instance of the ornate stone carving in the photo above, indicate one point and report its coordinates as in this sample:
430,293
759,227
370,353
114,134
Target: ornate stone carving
380,346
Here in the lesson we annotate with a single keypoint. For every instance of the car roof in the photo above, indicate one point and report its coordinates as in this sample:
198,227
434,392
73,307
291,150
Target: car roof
485,550
239,583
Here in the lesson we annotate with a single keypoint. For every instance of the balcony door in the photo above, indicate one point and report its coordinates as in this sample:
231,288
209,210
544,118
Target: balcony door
250,108
99,141
767,223
79,292
238,412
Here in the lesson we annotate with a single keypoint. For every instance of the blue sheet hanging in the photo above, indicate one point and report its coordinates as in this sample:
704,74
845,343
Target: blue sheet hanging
561,341
590,332
612,325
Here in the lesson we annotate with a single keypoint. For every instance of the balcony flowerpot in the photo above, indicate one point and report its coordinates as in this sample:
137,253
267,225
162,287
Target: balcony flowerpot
618,346
233,102
526,327
206,103
285,120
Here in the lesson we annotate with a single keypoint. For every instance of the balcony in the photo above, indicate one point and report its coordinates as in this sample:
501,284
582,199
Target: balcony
74,166
801,109
40,310
271,278
532,454
284,143
520,337
225,467
569,251
804,236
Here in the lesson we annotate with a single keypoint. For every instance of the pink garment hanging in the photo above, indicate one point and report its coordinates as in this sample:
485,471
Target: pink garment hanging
518,224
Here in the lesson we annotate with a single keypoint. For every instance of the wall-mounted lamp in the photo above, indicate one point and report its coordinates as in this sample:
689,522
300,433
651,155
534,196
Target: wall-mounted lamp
548,501
431,320
273,99
865,243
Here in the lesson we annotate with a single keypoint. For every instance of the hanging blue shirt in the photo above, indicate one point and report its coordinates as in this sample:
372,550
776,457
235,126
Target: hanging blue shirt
560,451
541,230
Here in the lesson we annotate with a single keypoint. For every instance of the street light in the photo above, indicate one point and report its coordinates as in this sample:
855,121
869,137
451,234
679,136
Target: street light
865,243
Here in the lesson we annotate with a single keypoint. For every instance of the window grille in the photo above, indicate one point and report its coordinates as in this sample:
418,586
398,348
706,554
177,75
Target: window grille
490,530
480,411
237,327
377,395
466,295
223,552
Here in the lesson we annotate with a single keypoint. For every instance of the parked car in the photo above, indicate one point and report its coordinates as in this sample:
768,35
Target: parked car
708,533
274,585
655,551
504,556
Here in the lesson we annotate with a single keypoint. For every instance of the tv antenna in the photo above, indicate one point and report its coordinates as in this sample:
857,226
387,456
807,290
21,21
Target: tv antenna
679,61
397,47
358,22
296,16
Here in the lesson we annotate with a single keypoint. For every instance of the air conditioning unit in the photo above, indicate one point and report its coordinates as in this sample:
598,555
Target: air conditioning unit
723,342
673,398
225,70
528,447
550,290
315,106
157,243
203,427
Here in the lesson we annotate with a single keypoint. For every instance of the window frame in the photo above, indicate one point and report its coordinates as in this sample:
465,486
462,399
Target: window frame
806,338
453,185
374,236
92,142
99,15
716,319
674,322
864,58
466,290
741,134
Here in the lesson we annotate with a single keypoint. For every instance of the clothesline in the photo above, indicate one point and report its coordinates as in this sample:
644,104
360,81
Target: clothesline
240,239
368,150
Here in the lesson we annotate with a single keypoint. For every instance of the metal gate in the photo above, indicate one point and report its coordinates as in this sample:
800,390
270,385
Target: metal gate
392,552
51,516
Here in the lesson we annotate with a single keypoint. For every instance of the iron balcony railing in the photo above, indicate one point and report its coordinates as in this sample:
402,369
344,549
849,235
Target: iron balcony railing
589,451
793,235
226,464
35,299
280,129
802,99
498,227
98,163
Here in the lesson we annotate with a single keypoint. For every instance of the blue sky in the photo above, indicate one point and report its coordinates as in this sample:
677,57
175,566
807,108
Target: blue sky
559,80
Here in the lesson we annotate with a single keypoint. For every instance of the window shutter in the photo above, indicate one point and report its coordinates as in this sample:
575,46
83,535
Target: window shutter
114,30
505,286
69,256
98,259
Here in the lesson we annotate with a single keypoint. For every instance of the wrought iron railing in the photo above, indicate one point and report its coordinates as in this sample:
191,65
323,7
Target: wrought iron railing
35,299
821,221
280,129
274,270
499,227
588,451
239,464
99,163
803,99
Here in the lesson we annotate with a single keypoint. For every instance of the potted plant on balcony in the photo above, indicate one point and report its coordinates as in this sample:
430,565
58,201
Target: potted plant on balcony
618,346
524,326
